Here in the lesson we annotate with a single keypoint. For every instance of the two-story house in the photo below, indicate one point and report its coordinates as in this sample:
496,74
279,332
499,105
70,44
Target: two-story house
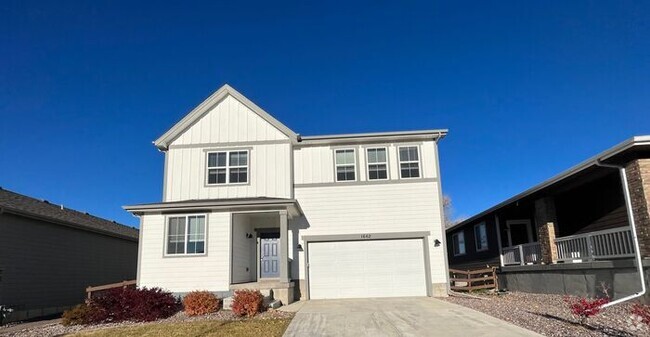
248,203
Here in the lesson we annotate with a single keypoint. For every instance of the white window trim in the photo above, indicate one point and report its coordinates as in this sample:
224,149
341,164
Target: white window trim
400,162
336,165
476,238
187,222
378,163
453,243
227,167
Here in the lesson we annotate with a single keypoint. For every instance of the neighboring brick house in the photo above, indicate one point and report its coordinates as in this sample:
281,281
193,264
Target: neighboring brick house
49,254
569,233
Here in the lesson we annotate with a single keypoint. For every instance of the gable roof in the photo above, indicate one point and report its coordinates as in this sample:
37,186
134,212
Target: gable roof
181,126
15,203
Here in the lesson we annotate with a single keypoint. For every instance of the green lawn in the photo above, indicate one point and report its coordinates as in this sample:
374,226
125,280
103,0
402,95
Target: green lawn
254,327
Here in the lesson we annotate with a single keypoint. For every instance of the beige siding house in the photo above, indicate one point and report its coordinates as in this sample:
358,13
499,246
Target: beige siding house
248,203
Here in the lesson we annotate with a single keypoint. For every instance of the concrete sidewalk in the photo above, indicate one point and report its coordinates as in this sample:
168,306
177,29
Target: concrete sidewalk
416,316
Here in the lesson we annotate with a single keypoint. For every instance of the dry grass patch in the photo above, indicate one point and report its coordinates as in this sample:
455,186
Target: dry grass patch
212,328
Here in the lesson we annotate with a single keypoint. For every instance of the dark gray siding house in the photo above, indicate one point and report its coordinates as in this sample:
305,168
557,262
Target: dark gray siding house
569,234
49,254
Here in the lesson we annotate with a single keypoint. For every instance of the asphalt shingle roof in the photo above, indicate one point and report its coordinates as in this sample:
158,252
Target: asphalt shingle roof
13,202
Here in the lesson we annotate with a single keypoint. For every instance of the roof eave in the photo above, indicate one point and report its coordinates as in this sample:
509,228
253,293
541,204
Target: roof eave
68,223
375,136
212,205
603,156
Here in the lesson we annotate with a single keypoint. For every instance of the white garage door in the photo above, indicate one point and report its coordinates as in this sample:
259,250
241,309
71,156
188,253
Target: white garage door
372,268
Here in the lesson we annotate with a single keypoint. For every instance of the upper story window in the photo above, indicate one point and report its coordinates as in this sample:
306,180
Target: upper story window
480,237
186,235
345,162
409,162
377,163
228,167
458,241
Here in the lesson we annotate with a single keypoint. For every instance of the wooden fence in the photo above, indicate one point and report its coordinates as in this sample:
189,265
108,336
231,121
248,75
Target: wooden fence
468,280
123,284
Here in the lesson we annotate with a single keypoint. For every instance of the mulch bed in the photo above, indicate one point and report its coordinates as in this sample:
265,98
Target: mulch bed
57,329
549,315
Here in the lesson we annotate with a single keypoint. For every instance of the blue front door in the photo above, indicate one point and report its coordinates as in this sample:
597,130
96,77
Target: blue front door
270,258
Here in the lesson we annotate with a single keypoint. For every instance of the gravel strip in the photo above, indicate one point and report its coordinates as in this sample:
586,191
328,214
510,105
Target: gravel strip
549,315
56,329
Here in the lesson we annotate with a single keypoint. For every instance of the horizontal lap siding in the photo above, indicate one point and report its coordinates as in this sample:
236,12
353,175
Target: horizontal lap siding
49,265
186,273
315,164
373,209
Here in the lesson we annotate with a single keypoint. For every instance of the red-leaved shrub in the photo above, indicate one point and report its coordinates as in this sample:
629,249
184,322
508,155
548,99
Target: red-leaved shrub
201,303
130,304
642,312
584,308
247,302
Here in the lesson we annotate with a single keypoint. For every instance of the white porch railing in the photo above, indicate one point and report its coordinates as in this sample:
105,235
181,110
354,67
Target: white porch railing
610,243
528,253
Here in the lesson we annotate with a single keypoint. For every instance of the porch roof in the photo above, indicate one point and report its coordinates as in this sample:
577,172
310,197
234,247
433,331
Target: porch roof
233,204
633,148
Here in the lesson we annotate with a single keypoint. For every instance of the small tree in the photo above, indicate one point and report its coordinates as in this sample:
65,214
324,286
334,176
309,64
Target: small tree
583,308
448,210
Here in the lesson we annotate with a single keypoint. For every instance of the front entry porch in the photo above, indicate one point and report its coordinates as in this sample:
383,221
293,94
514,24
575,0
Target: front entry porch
260,254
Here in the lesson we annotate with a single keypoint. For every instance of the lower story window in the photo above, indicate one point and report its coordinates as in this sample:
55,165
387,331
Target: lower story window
458,240
186,235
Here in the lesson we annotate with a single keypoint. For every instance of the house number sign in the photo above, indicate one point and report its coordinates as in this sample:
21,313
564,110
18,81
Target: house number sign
365,236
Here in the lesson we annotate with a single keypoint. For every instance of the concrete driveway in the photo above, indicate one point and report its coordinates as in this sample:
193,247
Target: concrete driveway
415,316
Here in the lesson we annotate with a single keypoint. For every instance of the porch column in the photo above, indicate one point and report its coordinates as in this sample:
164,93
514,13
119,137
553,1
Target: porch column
284,247
638,181
497,225
546,222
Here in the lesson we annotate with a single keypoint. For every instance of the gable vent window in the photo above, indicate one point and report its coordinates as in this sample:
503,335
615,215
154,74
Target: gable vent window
227,167
377,164
409,162
345,165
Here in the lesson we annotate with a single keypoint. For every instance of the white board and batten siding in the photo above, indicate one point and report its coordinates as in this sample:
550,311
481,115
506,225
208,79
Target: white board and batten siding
229,125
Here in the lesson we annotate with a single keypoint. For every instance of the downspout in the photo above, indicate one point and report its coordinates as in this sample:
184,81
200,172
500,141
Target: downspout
635,239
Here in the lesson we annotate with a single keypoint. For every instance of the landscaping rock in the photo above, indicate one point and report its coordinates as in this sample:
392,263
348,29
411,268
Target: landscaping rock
549,315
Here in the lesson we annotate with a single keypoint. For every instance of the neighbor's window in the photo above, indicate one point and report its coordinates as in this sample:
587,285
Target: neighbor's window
377,164
409,162
345,165
227,167
186,235
459,243
480,237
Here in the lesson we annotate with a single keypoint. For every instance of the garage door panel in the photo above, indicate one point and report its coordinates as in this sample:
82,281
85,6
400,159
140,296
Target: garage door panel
369,268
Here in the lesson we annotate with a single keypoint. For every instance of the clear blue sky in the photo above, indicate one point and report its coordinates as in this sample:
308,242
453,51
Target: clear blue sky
527,88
